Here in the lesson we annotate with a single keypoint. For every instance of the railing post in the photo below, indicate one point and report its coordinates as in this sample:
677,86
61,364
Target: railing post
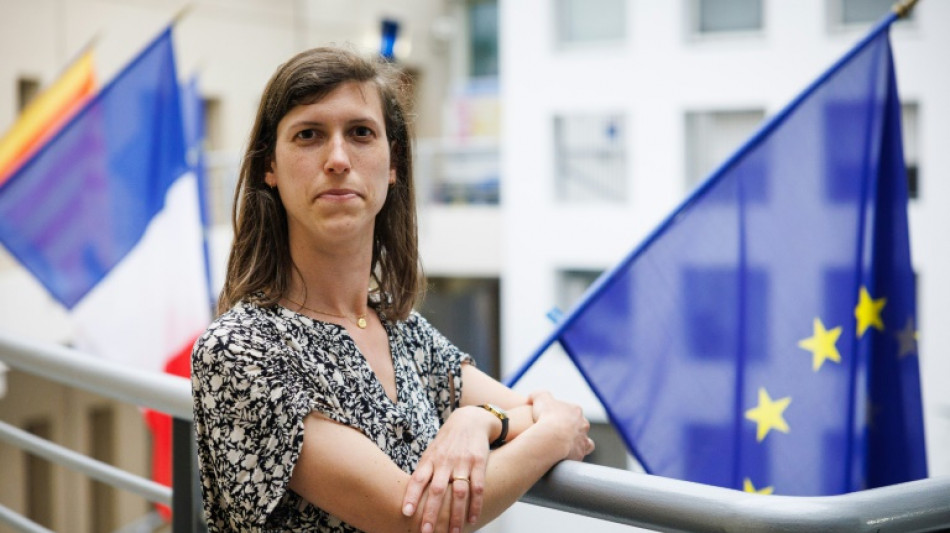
186,492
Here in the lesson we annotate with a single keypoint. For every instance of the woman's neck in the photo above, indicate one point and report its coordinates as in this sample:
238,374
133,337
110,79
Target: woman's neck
332,279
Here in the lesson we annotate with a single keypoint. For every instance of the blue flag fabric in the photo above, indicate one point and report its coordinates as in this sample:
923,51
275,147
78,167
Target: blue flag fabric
764,337
83,201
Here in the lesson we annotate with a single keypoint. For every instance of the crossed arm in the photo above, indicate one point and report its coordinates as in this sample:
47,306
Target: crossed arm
346,474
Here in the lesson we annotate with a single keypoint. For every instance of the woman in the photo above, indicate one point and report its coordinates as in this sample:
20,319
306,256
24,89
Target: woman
320,403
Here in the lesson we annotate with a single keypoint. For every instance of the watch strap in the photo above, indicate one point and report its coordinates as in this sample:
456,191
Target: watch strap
503,416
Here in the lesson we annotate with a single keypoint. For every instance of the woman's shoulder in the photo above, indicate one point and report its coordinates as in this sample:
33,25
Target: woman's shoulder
413,325
244,325
417,331
415,320
249,328
244,316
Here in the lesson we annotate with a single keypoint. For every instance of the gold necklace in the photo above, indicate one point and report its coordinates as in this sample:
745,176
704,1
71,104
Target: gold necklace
360,320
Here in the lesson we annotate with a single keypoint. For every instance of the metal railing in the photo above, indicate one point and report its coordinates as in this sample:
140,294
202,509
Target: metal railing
611,494
160,392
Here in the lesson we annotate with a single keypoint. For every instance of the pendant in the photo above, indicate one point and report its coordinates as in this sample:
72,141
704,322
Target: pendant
361,322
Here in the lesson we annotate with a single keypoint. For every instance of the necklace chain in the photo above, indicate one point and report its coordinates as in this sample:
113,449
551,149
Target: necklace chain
360,319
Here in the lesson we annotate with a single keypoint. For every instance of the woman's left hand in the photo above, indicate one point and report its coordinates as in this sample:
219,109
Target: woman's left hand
457,458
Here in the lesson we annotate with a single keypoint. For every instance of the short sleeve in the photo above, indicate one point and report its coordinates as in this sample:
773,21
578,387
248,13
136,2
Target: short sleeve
249,403
444,365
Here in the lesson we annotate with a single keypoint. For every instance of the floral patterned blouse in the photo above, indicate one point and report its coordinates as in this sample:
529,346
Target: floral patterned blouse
258,372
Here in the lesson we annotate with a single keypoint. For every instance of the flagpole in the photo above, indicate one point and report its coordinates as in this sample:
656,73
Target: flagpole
88,47
903,8
182,13
900,9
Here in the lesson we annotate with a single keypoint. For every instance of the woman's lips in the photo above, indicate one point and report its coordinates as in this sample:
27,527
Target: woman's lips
338,195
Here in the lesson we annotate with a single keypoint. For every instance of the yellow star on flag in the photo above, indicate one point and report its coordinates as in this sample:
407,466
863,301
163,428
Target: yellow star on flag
748,487
868,312
907,339
768,414
821,344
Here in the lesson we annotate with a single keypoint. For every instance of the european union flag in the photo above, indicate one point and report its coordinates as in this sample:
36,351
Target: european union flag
764,338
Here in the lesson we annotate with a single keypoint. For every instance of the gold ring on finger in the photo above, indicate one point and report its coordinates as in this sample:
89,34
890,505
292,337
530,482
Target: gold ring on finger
460,478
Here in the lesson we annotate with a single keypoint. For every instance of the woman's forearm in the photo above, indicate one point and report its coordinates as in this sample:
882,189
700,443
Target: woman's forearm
519,419
516,467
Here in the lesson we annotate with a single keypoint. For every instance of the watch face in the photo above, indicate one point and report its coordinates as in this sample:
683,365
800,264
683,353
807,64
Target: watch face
497,411
500,413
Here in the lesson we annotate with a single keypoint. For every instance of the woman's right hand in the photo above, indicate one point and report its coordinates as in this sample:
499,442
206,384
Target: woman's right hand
566,420
460,450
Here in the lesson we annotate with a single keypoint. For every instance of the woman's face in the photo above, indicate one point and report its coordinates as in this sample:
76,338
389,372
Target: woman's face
332,165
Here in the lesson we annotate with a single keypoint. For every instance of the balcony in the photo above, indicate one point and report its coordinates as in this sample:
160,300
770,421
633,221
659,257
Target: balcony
463,171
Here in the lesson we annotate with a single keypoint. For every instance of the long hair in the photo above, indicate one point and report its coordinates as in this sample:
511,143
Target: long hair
260,266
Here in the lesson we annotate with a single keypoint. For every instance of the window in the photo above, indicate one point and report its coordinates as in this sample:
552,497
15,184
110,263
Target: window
221,167
3,373
858,12
38,477
27,89
450,172
712,136
467,312
909,129
102,496
725,16
212,125
590,21
862,11
572,284
609,449
483,38
590,158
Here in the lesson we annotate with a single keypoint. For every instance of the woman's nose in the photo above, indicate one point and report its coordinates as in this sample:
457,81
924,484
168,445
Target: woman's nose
338,161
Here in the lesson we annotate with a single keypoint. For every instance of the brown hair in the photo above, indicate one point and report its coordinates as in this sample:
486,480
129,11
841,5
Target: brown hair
260,266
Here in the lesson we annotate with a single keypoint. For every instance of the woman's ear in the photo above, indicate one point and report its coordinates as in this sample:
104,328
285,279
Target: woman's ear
269,177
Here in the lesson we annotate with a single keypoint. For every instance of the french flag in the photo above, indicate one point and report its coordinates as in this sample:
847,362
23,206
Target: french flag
106,216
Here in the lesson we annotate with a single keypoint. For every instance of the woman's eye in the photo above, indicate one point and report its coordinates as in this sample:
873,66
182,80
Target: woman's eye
362,131
306,135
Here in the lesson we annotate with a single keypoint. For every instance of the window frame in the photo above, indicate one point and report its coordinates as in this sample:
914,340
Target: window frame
694,32
618,150
693,174
562,44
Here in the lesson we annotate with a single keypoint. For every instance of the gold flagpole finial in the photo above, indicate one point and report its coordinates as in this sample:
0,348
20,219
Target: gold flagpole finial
904,7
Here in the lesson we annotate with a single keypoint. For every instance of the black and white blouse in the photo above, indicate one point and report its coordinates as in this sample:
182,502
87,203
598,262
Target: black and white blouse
258,372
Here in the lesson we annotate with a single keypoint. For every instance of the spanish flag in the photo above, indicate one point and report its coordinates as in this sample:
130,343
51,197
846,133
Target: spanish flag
46,114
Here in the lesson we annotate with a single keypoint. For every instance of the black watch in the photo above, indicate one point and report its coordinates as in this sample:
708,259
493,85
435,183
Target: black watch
503,416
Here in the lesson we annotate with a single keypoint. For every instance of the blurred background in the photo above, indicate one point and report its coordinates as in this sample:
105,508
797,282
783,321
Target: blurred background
552,137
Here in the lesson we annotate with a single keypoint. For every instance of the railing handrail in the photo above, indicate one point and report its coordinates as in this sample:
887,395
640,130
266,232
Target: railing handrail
154,390
99,470
668,504
607,493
